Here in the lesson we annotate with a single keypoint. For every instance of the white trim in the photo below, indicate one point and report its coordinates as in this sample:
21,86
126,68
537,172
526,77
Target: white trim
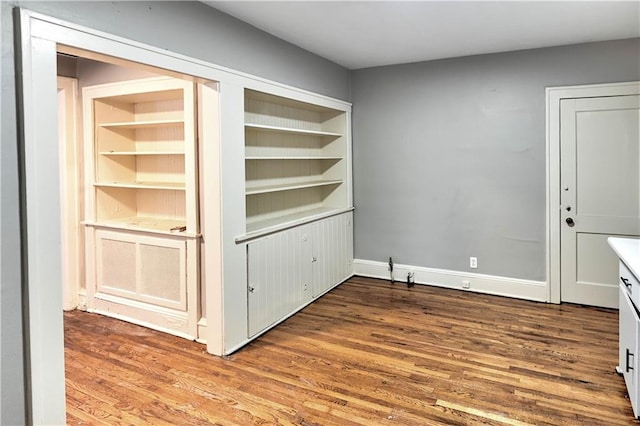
149,325
44,340
553,97
71,233
479,283
43,25
82,299
202,331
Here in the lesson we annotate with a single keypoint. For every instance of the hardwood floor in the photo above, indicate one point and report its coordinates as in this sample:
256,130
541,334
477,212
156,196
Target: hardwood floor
366,353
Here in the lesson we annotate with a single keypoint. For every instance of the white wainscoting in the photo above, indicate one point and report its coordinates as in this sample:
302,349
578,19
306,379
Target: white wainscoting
479,283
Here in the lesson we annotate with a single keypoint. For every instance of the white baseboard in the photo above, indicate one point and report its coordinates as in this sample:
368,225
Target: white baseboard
479,283
202,331
82,300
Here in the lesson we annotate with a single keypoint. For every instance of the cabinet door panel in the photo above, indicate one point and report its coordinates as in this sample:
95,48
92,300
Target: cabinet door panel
141,269
331,252
279,270
628,350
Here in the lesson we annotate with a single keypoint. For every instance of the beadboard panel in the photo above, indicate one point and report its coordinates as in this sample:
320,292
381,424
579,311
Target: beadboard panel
288,269
332,252
279,276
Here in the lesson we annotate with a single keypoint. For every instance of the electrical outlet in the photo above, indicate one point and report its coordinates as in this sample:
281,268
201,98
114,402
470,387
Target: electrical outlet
473,262
466,284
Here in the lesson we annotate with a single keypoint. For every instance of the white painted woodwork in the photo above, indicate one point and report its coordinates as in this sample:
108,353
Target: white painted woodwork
44,339
140,267
279,277
288,269
298,204
479,283
628,253
600,164
332,252
142,209
630,280
210,324
232,304
144,154
71,197
296,156
628,347
555,216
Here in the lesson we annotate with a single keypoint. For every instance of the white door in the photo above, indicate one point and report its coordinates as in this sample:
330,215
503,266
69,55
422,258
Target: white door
599,163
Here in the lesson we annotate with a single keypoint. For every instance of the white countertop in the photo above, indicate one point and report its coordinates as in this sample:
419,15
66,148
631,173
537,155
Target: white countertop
628,250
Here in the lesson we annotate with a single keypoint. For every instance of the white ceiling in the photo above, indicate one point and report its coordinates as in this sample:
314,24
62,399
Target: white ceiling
361,34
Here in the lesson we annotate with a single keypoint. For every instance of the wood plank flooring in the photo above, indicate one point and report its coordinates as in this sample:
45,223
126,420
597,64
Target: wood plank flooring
366,353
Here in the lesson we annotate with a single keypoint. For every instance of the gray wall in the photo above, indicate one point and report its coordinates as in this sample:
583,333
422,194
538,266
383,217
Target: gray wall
449,155
189,28
197,30
11,353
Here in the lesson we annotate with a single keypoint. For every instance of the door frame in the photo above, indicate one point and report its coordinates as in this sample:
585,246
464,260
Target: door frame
554,95
38,41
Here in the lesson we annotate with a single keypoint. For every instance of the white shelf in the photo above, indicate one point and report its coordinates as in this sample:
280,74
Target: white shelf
140,153
295,162
300,157
143,124
177,186
291,186
269,226
277,129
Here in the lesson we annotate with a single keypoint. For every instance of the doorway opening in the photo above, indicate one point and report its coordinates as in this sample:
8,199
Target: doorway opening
128,192
42,38
137,204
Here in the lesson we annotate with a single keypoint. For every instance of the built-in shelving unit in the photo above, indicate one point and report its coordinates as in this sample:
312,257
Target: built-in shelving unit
144,174
295,162
142,228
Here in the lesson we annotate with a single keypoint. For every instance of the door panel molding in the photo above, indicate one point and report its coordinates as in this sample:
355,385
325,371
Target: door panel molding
554,95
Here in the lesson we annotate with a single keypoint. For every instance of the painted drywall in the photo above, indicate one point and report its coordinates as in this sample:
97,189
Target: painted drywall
12,398
199,31
188,28
449,155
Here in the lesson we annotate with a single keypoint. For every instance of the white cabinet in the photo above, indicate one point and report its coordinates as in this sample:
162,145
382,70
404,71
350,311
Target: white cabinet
289,269
628,250
141,210
628,347
172,200
298,203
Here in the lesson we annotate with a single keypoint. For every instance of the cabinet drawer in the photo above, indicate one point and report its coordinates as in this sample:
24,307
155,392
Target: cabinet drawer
630,283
